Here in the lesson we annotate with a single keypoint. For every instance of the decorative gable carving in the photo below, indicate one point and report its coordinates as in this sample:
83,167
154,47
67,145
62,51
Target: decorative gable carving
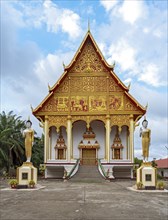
113,86
129,105
64,86
56,104
88,60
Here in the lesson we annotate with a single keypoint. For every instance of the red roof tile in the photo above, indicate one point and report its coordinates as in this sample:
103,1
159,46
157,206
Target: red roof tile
162,163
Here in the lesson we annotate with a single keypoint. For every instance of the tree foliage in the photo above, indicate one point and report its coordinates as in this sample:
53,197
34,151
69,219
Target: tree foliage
38,151
12,149
11,140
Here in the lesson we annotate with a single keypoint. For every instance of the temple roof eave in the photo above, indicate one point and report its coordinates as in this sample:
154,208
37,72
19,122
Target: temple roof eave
119,81
34,111
143,109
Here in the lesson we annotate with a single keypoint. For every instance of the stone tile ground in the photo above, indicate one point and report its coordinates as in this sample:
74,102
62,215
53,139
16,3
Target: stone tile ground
82,201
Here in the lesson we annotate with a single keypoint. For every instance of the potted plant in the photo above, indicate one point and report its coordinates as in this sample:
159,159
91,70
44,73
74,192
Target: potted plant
13,183
161,185
42,169
31,183
139,185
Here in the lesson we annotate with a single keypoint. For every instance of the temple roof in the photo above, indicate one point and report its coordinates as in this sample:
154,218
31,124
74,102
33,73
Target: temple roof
69,68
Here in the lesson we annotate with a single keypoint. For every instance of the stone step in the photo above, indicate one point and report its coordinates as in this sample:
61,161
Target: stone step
88,174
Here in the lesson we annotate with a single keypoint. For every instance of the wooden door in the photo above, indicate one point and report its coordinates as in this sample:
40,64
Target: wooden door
89,156
116,153
60,154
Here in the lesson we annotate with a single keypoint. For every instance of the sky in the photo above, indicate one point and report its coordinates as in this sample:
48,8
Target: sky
38,36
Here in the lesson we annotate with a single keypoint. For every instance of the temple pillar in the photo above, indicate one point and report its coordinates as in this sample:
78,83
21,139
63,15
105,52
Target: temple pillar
131,139
46,139
108,138
128,138
69,138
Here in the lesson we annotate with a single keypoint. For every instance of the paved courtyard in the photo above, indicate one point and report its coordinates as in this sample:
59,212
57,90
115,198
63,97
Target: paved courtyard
82,201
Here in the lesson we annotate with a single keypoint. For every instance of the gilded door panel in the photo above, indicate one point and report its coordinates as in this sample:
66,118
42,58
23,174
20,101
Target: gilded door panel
89,156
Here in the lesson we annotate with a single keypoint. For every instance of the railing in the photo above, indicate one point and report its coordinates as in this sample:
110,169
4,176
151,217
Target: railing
101,169
73,169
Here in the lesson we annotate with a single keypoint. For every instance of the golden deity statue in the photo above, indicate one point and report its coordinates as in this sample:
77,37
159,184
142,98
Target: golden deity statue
145,133
28,133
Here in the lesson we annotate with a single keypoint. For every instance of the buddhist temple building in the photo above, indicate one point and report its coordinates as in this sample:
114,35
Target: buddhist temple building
89,117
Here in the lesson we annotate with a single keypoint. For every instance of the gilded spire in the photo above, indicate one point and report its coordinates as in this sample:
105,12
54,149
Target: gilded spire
63,65
49,88
146,106
88,25
129,85
113,65
31,109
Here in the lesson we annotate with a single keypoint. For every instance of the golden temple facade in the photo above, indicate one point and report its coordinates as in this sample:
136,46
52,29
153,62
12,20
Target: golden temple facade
89,97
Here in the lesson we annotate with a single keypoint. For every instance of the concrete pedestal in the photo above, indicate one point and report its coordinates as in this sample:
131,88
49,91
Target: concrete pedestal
147,175
25,173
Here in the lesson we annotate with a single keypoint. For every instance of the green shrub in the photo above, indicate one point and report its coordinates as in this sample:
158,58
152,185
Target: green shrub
161,185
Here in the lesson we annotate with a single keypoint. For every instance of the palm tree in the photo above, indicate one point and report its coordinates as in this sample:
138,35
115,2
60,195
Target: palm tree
11,140
38,151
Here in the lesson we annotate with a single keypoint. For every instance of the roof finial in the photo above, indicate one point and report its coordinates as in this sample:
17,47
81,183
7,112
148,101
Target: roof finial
63,65
129,85
146,106
49,88
88,24
31,108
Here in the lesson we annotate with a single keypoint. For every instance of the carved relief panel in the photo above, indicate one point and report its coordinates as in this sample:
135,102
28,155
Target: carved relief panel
120,120
57,121
58,104
79,103
116,102
88,84
97,103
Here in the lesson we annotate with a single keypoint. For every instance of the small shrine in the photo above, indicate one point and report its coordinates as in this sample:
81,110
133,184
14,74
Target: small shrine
117,147
60,147
88,146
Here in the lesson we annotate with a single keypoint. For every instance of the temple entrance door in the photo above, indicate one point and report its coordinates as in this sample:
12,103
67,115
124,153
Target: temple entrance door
60,154
116,153
89,156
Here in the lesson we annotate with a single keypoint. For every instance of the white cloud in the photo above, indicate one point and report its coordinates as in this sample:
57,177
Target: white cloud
51,67
47,14
124,54
16,16
108,5
131,11
60,18
70,23
150,75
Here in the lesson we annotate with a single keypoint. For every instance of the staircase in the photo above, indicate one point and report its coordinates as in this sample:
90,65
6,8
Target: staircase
88,174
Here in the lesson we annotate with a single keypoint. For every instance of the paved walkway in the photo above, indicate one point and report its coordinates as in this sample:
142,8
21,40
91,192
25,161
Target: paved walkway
82,201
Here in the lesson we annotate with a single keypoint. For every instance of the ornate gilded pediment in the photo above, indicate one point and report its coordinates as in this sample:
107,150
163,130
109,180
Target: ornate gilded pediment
88,86
88,60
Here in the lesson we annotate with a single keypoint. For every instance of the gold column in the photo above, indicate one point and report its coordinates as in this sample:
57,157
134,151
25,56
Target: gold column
69,138
128,156
46,139
131,138
72,143
108,138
